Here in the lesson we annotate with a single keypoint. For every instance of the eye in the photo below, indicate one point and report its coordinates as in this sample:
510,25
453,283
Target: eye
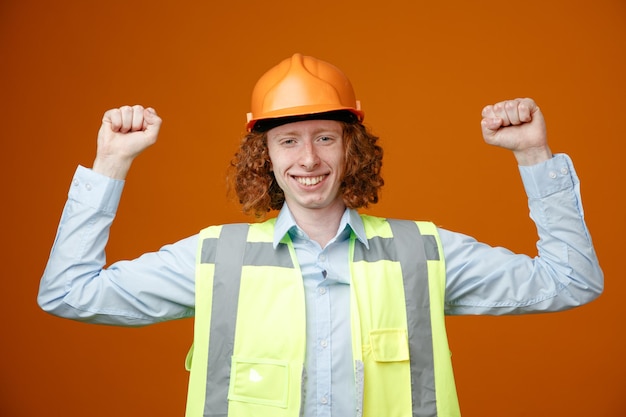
287,141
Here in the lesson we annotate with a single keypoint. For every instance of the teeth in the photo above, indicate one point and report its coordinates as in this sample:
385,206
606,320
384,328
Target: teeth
309,180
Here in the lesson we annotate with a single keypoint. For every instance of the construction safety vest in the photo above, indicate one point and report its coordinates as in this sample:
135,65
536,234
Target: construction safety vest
249,347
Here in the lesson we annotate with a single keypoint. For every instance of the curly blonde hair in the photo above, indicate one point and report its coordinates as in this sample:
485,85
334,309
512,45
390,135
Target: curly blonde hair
258,192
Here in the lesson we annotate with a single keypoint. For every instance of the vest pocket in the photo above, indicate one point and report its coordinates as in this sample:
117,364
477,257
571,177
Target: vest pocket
389,345
259,381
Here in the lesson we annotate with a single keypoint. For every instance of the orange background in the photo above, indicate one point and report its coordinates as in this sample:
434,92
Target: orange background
423,71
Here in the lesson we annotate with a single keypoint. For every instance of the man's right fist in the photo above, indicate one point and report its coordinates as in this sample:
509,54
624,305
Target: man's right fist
125,133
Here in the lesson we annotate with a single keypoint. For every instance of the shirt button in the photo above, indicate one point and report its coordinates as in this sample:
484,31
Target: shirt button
324,343
88,187
76,183
564,171
322,257
552,174
321,291
324,400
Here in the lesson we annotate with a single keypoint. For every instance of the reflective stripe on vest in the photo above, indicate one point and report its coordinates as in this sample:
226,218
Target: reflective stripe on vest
405,248
226,251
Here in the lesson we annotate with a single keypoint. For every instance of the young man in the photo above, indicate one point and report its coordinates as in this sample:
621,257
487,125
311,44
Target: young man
319,311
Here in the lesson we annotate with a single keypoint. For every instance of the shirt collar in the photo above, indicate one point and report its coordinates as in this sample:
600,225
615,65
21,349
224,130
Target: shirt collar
350,218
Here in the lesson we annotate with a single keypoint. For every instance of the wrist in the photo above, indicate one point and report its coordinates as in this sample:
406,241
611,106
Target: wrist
533,156
115,168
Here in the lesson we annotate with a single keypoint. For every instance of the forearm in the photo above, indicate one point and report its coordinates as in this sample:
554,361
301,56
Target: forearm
78,252
565,245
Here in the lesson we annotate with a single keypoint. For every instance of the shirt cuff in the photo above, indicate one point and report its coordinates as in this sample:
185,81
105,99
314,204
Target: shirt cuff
95,190
549,177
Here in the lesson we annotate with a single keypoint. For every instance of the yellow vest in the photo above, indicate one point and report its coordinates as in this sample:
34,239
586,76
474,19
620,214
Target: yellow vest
249,347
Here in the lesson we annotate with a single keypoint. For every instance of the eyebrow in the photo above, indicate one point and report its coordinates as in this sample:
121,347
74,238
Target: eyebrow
314,132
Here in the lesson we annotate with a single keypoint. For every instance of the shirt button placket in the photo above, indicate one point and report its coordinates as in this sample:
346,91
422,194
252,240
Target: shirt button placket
323,353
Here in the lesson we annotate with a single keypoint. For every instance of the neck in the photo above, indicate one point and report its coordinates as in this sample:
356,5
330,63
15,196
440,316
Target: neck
319,224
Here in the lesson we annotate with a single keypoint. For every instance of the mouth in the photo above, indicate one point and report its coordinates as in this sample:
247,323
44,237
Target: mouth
309,181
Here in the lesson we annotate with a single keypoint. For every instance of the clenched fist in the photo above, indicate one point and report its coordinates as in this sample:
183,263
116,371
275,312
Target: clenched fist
125,133
517,125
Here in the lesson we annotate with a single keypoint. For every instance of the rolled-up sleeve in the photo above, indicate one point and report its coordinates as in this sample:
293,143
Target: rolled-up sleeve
155,287
565,273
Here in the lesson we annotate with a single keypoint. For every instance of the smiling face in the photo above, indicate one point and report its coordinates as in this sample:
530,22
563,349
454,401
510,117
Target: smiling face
308,161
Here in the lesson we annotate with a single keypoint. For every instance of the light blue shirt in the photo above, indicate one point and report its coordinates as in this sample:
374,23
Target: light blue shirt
330,388
480,279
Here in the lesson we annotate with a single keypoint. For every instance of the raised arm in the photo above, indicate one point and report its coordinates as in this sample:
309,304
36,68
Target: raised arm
565,273
76,285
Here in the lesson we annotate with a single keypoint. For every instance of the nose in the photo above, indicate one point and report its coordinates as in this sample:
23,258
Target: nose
309,158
